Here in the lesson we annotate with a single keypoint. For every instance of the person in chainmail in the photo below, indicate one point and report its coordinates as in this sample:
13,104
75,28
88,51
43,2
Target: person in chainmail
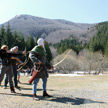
39,59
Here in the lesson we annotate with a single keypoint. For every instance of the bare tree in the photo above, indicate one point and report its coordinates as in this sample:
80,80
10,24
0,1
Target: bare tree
86,61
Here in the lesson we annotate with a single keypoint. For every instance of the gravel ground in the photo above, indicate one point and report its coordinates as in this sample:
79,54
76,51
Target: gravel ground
68,92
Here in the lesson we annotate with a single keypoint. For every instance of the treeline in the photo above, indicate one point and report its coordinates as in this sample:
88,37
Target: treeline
71,43
17,39
99,42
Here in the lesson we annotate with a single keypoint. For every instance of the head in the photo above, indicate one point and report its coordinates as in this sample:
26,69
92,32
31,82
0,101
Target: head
14,49
41,43
4,47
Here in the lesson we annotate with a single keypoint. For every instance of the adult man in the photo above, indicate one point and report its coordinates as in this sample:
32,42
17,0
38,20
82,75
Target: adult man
14,67
39,59
7,66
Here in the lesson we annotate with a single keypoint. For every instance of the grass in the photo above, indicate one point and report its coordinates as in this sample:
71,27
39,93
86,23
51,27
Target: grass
68,92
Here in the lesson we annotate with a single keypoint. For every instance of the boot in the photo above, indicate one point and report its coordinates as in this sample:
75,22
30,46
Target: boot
12,90
35,97
5,87
17,87
45,94
19,82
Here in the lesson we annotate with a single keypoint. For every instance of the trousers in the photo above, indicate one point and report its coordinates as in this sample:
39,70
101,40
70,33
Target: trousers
14,75
7,70
44,84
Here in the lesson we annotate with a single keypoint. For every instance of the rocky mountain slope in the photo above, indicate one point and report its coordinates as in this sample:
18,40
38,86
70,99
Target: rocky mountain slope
50,29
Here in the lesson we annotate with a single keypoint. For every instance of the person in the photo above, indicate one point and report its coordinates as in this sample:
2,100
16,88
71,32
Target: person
39,59
28,71
6,57
14,67
18,77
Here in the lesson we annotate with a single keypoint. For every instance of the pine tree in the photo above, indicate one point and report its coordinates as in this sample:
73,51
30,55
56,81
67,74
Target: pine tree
16,39
106,50
99,41
30,43
37,37
48,51
21,41
9,40
2,36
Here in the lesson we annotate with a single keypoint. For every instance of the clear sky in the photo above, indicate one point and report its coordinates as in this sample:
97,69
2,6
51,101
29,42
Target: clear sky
80,11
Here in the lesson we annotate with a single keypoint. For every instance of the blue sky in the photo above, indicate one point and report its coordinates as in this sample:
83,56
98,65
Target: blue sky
80,11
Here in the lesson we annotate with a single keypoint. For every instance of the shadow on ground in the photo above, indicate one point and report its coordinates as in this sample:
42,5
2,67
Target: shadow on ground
74,101
37,89
66,100
25,83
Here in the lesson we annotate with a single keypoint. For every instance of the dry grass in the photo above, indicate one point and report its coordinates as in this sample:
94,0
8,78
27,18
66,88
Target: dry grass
68,92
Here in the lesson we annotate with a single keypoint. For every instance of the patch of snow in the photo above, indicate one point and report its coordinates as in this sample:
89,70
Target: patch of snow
70,75
80,72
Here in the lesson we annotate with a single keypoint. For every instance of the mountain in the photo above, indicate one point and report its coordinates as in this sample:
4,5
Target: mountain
51,30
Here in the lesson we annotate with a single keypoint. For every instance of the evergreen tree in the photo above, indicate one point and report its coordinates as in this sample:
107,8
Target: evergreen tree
21,41
37,37
106,50
2,36
48,51
9,40
99,41
67,44
30,43
16,39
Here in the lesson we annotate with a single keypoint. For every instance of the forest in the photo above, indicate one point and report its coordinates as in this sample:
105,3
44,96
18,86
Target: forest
97,45
99,42
17,39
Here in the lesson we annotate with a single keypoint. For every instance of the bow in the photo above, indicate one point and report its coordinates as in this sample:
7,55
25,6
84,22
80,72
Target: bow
26,60
62,59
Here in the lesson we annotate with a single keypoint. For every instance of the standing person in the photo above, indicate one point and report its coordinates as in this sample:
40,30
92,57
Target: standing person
28,71
39,59
18,77
7,66
14,67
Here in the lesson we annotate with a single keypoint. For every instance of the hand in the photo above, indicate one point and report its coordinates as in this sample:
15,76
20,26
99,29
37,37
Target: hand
22,63
52,67
8,51
24,52
39,63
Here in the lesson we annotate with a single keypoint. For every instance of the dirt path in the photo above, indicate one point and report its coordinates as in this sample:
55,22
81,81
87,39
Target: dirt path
68,92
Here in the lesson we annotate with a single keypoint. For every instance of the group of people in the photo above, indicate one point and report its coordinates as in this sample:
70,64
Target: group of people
38,57
9,66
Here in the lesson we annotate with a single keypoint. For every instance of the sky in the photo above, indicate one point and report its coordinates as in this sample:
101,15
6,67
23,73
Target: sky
79,11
